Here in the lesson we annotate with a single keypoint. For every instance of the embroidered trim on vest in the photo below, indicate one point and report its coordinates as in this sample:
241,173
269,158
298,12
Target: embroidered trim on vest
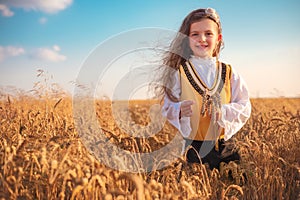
211,100
212,89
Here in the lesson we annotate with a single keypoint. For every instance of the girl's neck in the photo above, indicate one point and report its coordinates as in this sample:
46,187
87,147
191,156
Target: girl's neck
204,58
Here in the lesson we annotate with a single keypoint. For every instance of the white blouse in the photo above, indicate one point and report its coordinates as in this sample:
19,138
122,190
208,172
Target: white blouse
234,115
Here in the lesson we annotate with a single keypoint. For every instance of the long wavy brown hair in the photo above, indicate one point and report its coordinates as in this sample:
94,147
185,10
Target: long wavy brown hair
180,50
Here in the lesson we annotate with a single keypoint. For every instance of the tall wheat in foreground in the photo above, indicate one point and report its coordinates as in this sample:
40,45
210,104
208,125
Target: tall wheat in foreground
42,156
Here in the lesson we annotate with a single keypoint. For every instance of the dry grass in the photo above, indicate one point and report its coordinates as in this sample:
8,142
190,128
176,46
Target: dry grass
42,156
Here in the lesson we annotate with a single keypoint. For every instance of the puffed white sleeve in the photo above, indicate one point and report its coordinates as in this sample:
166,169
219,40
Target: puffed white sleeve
237,112
171,110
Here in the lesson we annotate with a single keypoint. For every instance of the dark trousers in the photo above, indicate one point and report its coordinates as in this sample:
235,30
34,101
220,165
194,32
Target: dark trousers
208,152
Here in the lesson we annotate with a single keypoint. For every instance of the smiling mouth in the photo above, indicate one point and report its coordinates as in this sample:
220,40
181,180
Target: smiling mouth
201,46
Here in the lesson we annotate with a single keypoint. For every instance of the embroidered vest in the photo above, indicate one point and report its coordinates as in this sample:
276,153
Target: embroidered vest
208,101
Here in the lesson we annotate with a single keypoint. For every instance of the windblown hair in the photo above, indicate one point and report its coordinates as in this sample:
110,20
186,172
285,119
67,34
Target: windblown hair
180,50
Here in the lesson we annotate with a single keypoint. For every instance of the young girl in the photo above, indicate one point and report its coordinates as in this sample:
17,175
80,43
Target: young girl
205,99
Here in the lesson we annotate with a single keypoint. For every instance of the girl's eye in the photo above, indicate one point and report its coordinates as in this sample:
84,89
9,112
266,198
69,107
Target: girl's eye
209,33
194,34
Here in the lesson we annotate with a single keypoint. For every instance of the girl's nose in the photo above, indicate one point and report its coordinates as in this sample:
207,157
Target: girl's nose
202,38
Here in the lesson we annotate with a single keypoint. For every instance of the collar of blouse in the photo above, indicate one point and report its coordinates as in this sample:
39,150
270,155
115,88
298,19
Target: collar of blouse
208,63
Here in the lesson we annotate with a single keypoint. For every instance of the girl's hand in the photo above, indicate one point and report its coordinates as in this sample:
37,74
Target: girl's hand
186,108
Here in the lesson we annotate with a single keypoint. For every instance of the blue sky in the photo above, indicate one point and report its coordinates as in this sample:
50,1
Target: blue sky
261,37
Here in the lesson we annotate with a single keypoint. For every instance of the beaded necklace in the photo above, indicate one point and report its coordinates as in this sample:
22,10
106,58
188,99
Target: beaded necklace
211,99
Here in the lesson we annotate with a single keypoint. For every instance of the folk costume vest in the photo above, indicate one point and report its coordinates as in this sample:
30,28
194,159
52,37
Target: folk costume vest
208,101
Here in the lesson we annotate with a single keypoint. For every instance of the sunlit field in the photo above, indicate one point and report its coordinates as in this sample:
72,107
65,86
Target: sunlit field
43,157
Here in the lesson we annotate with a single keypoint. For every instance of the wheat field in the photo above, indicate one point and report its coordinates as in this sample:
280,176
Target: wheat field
43,157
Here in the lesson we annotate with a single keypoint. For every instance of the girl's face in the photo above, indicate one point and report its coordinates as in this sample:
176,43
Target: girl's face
204,37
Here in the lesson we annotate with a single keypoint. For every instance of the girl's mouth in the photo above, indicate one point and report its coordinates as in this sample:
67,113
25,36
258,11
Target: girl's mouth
201,46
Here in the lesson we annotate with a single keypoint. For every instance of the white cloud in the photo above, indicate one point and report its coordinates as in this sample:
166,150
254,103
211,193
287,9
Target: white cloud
49,54
5,11
10,51
43,20
47,6
56,48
